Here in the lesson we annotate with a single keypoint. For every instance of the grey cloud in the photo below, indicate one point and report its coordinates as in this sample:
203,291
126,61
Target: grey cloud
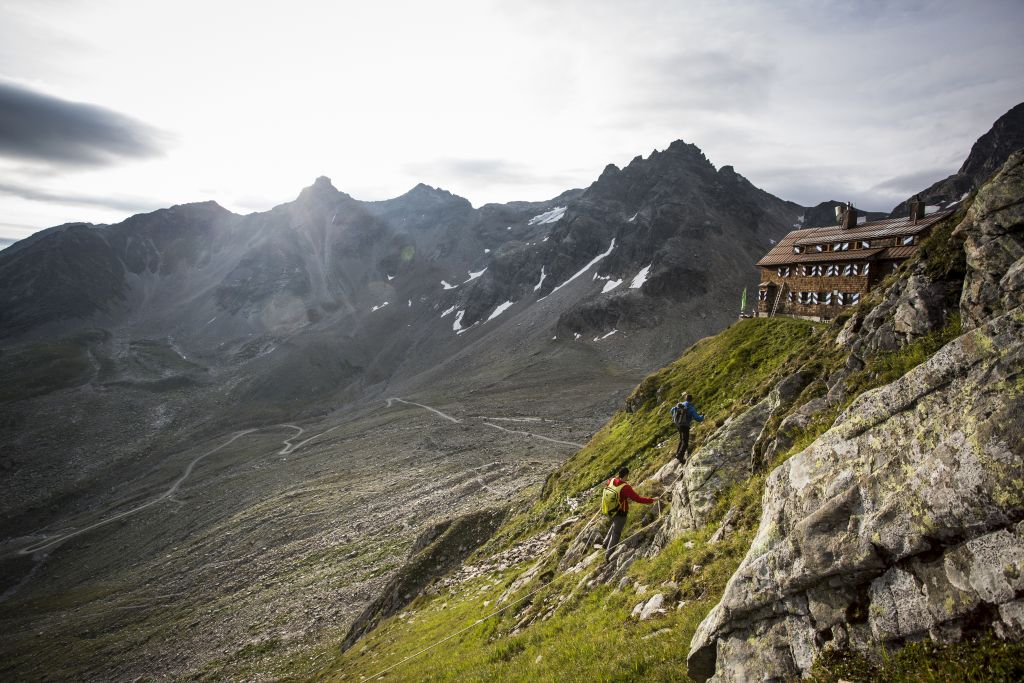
41,127
5,242
133,205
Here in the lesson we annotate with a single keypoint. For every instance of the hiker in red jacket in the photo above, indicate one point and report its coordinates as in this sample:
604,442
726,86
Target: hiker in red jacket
615,503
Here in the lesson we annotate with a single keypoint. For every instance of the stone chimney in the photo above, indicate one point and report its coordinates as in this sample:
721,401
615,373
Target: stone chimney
849,217
916,209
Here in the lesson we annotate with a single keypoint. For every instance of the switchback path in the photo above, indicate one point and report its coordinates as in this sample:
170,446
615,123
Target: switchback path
289,447
490,424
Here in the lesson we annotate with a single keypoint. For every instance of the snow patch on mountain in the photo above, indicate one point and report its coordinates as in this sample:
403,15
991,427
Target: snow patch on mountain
597,259
541,281
377,308
500,309
610,285
445,284
551,216
640,278
473,276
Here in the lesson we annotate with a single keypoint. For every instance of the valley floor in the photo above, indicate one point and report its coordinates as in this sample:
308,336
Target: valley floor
265,541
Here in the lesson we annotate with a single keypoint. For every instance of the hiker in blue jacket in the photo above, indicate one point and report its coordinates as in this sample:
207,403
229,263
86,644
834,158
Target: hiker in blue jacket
683,415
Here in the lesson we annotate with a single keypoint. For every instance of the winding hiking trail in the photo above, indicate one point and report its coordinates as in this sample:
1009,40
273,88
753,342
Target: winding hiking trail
289,447
491,424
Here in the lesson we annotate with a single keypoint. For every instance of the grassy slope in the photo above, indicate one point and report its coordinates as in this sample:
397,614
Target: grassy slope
591,637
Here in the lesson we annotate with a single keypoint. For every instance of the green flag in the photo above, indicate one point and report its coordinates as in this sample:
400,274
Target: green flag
743,301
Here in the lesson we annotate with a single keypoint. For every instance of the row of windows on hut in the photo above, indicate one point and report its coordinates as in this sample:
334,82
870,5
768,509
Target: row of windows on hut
821,269
833,298
858,244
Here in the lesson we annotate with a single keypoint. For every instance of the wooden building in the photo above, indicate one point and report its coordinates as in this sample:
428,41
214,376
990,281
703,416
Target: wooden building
817,272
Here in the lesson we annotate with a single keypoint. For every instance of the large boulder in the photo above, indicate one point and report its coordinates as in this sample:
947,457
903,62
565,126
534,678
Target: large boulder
899,522
993,233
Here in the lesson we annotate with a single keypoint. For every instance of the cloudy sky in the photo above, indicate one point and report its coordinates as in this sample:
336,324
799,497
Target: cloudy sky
111,107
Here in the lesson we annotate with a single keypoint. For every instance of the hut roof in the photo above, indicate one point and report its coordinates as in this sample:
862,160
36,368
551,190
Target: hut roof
890,227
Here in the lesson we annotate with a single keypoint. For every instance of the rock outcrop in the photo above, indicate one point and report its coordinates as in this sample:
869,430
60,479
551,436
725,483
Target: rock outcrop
439,550
993,233
904,520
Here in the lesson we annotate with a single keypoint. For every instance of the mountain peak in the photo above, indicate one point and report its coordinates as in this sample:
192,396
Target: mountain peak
321,190
433,195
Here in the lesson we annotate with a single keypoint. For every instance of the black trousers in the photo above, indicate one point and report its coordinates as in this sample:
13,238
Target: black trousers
611,539
684,442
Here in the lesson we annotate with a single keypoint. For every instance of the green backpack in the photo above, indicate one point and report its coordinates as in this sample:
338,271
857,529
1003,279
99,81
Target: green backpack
611,498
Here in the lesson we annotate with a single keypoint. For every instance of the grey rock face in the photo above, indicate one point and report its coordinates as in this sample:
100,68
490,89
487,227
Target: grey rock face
898,514
994,241
721,462
912,308
438,551
652,607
